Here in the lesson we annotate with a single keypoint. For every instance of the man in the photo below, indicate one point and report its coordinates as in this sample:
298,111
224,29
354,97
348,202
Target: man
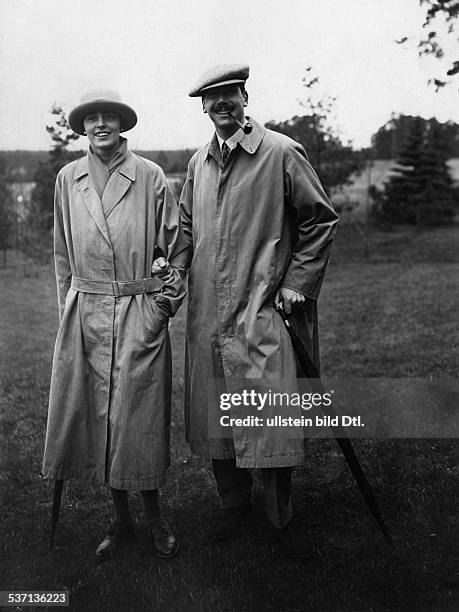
259,229
109,405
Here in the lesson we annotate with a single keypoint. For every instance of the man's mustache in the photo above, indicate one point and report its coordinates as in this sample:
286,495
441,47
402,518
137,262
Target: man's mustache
222,107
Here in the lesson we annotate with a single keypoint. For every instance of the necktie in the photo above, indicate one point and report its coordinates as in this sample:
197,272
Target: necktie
225,152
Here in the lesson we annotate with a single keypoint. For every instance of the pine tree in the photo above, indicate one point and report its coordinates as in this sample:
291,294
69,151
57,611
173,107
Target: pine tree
440,198
36,232
45,176
420,190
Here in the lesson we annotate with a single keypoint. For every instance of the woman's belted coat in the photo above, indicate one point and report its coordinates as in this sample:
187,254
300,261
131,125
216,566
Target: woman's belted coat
109,405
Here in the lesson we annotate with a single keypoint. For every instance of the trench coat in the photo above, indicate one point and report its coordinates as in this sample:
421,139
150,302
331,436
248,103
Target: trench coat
109,404
257,223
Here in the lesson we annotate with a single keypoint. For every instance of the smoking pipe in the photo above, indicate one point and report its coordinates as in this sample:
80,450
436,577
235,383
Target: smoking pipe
247,128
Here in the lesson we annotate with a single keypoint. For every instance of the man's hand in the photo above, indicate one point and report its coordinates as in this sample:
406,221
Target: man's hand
162,268
287,299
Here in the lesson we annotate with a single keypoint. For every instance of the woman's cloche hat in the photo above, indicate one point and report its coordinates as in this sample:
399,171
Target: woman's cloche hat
102,100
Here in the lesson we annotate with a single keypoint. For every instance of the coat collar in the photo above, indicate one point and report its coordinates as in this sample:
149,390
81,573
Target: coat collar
117,186
249,142
127,168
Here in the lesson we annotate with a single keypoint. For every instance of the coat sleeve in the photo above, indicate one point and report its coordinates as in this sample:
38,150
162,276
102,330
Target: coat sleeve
186,217
61,253
315,224
170,240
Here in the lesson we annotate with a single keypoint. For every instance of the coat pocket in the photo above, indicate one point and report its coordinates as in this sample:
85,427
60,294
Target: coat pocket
158,319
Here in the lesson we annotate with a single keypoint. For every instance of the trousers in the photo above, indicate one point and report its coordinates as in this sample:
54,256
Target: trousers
234,486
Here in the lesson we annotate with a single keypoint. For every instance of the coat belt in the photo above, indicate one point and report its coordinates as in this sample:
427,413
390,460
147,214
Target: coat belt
117,288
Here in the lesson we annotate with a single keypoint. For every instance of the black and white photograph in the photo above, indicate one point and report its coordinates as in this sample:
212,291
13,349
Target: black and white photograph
229,313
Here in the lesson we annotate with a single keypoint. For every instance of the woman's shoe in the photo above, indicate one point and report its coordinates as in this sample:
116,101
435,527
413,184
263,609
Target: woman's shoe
164,542
118,536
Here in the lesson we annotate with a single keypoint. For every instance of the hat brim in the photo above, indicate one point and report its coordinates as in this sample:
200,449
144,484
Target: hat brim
196,93
127,115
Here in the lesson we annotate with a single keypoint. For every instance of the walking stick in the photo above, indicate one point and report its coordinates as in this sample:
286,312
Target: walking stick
58,484
311,372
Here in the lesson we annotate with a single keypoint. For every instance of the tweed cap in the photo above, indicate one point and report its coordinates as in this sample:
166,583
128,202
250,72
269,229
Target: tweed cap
218,76
102,100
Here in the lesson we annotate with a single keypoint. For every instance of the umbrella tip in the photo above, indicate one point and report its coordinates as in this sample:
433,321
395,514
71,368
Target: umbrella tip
51,539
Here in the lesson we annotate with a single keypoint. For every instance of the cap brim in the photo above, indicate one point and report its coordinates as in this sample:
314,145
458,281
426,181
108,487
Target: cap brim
196,93
127,115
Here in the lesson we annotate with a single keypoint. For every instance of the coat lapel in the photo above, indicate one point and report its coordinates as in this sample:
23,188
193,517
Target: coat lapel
251,142
91,198
119,182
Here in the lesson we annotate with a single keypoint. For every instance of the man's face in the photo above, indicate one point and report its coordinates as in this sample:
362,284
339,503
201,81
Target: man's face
221,101
103,131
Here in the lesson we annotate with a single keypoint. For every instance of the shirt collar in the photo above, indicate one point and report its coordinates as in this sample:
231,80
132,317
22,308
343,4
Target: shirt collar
249,142
232,141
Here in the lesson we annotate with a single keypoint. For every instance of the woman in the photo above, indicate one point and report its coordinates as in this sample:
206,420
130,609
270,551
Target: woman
109,406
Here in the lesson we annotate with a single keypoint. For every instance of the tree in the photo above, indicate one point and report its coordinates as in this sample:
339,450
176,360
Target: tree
6,213
420,190
430,43
386,142
333,160
46,173
36,229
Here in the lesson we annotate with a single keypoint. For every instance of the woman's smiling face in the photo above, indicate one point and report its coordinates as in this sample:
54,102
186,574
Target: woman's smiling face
103,130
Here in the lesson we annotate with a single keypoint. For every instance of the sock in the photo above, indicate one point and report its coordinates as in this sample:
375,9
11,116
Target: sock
150,505
121,506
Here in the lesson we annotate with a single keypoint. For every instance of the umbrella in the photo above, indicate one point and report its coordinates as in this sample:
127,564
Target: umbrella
58,484
343,441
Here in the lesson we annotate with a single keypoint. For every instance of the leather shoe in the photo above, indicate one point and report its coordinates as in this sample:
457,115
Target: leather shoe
117,537
229,525
295,543
164,542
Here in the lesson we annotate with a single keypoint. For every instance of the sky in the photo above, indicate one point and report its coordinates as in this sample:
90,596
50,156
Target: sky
153,51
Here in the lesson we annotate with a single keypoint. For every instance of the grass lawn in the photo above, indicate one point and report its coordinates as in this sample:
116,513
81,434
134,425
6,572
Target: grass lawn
394,315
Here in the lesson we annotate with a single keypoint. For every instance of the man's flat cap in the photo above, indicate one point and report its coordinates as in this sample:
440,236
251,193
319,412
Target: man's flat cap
218,76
